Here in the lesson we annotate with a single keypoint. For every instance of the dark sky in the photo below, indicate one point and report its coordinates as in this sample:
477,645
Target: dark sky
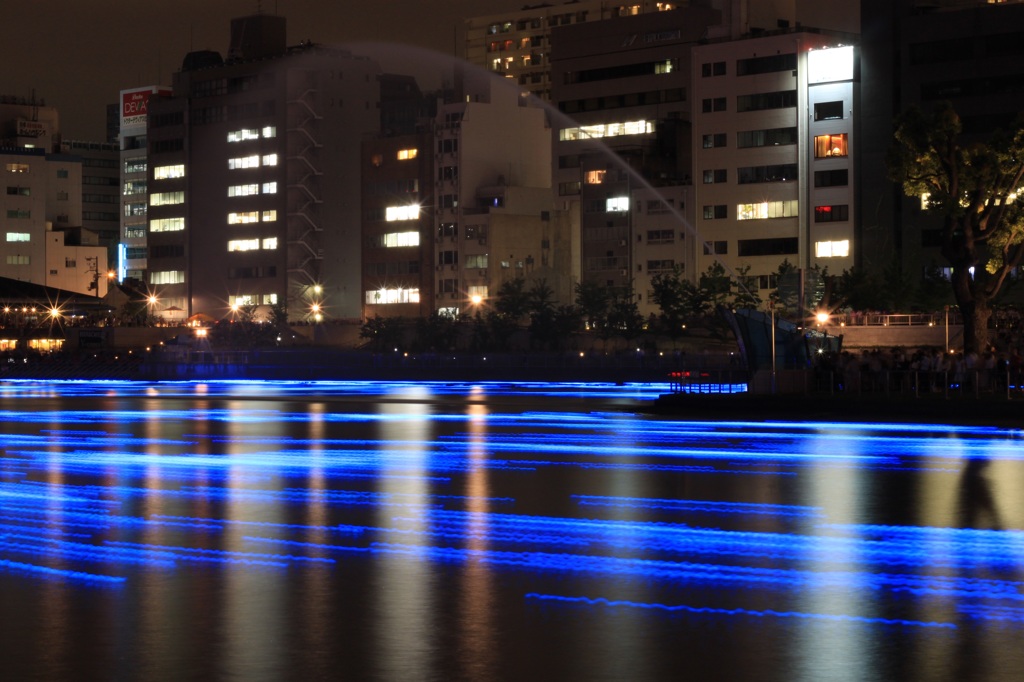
78,54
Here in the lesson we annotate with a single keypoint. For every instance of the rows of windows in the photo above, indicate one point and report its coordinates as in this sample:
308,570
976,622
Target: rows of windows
392,268
166,198
253,161
663,66
252,189
138,165
831,214
785,172
133,187
243,217
241,300
392,296
766,100
766,210
167,225
169,172
268,243
252,134
253,272
631,99
768,64
166,276
600,130
395,240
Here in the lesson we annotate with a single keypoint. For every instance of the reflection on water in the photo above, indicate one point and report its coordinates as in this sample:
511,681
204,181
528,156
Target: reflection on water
486,531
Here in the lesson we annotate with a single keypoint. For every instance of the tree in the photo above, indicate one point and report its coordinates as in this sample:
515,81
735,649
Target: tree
971,186
513,300
592,299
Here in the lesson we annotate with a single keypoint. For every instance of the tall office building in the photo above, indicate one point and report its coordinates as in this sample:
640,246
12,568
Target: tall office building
254,160
133,167
623,143
517,44
774,161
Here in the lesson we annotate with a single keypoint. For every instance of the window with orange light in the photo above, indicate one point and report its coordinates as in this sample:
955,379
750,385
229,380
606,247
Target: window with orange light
826,146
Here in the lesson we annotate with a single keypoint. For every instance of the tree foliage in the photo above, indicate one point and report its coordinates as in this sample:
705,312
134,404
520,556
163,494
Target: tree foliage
970,186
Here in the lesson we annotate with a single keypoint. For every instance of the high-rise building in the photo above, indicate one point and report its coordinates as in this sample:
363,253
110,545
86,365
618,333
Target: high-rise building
254,160
774,159
133,167
623,139
517,44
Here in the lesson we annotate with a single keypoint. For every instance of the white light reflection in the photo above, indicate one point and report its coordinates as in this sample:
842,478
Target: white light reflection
403,589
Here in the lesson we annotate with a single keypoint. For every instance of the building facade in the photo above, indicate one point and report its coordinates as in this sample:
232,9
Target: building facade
774,157
254,198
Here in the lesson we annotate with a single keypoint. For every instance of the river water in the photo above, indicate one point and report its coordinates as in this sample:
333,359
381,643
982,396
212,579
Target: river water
361,531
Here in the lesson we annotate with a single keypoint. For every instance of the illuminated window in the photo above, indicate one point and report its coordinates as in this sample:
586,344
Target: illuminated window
243,190
606,130
168,172
616,204
406,154
391,296
837,249
18,236
244,162
269,131
377,160
394,213
242,300
270,160
167,225
270,188
270,243
246,217
135,165
398,239
269,299
166,276
17,167
18,260
243,134
269,216
767,209
135,209
166,198
596,177
132,187
829,145
831,214
243,245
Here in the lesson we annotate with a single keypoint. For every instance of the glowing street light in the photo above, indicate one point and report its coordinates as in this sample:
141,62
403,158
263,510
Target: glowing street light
821,317
476,299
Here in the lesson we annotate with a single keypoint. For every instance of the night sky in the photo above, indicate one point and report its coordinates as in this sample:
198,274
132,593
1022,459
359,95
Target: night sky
78,54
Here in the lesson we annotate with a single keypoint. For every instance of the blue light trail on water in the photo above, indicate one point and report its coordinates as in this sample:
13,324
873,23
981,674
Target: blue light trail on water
104,493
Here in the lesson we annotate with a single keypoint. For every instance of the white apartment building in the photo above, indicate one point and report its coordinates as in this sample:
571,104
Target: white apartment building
773,136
